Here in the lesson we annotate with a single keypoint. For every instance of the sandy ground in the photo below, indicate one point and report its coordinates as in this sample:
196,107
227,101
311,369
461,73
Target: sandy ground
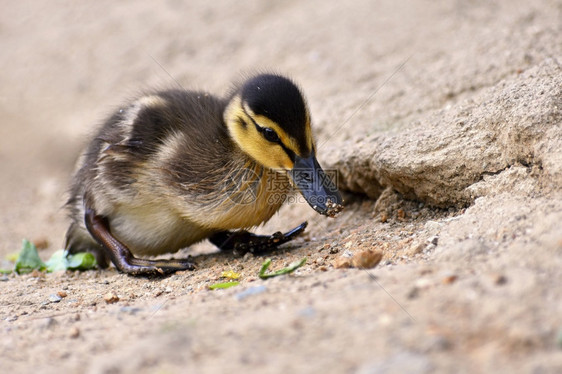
474,287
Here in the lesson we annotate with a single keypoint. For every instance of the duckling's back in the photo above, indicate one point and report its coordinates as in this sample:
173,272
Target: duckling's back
163,171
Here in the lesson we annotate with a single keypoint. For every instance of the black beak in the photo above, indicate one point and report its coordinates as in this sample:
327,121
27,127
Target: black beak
318,189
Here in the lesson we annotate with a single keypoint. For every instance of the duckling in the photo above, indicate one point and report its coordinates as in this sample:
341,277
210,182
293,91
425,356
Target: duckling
176,167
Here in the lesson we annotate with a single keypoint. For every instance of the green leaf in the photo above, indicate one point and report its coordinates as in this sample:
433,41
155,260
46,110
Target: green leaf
58,261
224,285
82,261
28,259
289,269
61,260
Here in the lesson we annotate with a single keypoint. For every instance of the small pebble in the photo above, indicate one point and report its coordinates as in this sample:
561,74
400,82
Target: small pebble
367,259
450,279
499,279
62,294
342,263
54,298
74,333
111,298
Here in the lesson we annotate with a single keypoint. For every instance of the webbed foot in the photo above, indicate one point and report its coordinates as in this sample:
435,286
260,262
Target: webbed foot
122,257
241,242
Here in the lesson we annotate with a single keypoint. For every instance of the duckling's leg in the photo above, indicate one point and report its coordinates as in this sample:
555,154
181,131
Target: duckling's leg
79,240
122,257
242,242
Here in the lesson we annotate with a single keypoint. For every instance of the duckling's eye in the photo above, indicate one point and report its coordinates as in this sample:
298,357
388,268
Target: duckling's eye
270,135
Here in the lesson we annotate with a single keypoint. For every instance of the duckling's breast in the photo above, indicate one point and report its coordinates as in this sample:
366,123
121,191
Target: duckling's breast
245,199
153,229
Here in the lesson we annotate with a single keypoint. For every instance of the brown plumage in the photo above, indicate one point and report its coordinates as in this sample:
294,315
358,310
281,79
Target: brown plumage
176,167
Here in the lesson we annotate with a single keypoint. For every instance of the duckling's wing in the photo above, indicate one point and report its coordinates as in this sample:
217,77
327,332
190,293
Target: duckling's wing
180,133
133,171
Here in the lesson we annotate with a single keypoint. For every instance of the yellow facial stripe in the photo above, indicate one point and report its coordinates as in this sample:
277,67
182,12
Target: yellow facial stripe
287,140
251,141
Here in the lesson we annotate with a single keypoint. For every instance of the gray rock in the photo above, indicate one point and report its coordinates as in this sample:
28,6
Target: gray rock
516,122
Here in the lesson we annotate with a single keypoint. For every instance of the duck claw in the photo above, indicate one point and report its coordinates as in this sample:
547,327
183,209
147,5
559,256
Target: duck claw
242,242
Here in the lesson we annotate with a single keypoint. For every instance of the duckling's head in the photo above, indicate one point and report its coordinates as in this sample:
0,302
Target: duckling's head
268,118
